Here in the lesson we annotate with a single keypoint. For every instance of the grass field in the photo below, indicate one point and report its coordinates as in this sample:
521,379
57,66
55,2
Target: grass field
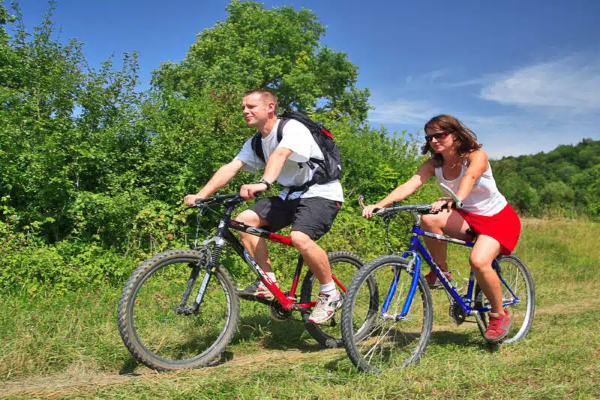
68,346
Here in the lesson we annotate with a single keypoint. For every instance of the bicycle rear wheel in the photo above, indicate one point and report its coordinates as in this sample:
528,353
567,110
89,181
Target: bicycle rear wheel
518,278
388,343
344,266
156,321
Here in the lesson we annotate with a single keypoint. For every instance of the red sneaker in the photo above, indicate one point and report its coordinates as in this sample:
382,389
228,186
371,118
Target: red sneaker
434,282
498,327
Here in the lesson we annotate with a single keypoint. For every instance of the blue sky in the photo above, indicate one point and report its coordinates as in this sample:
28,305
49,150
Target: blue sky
524,75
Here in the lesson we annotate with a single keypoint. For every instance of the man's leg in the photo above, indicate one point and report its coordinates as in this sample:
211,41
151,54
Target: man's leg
256,246
314,256
314,217
271,212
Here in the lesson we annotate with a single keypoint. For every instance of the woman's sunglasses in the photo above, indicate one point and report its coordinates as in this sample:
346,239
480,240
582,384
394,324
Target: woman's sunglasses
438,136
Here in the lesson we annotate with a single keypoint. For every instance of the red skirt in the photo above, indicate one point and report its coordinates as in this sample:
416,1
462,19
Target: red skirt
505,227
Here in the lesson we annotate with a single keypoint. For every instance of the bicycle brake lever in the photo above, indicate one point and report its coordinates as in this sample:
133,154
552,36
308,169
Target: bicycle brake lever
457,202
361,201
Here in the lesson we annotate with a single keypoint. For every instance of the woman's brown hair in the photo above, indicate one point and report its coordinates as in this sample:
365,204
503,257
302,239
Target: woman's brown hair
447,123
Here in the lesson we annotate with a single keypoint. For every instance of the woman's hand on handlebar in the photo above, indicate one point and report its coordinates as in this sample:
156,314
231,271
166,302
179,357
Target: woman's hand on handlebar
368,211
442,202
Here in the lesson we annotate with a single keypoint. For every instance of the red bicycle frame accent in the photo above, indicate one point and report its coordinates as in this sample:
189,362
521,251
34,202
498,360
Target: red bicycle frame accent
287,302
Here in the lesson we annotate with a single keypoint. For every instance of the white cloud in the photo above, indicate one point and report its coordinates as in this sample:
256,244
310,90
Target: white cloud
572,83
557,102
469,82
403,111
427,78
529,133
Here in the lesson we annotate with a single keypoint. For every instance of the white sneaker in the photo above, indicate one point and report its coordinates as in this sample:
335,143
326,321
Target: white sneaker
257,289
326,307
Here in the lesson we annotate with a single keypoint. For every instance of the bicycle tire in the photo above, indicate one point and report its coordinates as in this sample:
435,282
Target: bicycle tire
389,344
168,340
344,266
522,314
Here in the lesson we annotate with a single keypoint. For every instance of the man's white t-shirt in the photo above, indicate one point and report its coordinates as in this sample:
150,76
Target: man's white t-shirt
295,171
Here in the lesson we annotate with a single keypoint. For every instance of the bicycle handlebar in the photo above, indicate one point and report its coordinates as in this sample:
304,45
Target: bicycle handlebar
220,198
418,208
457,202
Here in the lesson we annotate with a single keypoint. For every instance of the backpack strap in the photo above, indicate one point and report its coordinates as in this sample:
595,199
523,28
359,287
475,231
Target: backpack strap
257,146
282,123
256,140
305,186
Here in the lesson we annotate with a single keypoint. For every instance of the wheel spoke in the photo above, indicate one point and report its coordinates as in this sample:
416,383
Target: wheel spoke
164,331
389,343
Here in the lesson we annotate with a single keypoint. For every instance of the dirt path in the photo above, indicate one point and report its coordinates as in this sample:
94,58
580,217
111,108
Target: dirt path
79,380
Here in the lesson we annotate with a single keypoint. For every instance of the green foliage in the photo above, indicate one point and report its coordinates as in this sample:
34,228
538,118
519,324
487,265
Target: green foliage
93,172
564,180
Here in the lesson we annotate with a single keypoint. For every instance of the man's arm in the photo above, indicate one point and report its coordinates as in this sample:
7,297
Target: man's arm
272,171
219,179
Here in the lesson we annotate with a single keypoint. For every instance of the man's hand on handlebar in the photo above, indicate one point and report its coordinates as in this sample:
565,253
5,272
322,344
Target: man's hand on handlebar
250,191
190,199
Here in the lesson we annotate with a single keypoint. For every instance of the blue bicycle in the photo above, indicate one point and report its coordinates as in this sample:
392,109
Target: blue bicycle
401,315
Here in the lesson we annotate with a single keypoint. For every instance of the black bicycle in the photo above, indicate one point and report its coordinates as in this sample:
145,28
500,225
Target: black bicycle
180,309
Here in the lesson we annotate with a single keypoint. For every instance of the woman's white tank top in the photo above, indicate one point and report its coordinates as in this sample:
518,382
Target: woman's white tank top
484,199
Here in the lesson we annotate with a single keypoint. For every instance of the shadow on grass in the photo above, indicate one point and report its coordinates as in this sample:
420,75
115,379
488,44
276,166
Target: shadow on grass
437,338
257,328
445,338
275,335
129,366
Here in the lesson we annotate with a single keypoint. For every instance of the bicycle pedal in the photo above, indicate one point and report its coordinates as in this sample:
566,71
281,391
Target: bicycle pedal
250,297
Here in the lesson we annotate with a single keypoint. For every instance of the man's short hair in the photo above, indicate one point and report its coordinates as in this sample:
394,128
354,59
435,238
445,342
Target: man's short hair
266,95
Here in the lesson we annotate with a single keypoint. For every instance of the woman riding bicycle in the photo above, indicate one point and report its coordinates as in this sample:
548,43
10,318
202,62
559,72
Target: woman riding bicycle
458,161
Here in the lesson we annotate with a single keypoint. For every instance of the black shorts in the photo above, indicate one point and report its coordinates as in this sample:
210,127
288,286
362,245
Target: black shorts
312,216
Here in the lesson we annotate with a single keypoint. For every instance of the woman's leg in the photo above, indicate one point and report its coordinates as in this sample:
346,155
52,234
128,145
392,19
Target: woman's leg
486,249
448,223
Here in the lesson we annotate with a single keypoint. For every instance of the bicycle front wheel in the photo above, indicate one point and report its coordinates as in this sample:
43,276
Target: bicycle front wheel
158,321
388,343
518,283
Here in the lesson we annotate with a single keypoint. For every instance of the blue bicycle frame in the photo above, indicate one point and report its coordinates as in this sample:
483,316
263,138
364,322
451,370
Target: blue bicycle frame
417,251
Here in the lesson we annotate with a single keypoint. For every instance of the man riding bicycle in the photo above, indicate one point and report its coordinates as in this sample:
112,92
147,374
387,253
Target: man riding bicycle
311,212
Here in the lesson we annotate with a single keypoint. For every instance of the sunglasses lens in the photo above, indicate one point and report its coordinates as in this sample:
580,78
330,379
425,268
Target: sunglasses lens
438,136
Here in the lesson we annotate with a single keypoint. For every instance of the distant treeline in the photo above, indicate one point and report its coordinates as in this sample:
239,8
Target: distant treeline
566,180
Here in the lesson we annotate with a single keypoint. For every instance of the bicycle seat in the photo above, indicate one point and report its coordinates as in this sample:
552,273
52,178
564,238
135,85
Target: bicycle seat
471,232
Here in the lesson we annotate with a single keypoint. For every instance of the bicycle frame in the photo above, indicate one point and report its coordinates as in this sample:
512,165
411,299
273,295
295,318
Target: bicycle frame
417,251
224,234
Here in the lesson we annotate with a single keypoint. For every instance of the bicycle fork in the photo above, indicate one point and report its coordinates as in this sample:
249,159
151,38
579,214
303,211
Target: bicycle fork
414,267
212,266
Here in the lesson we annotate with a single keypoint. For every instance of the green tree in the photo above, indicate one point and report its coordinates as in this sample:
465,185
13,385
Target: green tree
587,189
557,193
517,192
277,48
